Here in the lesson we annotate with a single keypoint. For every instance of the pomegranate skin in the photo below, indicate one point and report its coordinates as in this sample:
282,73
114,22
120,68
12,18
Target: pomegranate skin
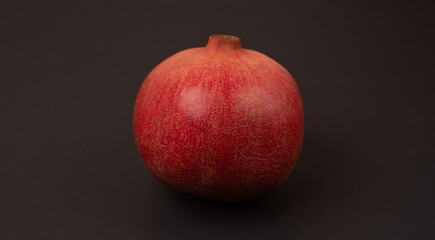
220,122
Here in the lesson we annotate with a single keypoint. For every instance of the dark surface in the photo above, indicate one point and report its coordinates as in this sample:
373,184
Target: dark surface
70,72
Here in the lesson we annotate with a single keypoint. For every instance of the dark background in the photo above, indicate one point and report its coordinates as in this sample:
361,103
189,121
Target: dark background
70,71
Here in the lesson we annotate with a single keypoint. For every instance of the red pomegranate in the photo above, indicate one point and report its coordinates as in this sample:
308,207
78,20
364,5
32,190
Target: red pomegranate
220,122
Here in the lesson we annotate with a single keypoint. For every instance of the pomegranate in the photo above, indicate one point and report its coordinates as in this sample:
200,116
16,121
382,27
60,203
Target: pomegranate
220,122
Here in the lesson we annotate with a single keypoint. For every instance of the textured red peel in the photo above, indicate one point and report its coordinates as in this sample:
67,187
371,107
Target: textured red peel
219,122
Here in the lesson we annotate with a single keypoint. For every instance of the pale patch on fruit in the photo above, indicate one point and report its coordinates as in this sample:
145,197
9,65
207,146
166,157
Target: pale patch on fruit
258,100
192,102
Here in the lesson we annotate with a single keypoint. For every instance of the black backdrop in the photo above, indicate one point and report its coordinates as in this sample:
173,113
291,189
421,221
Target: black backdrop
70,72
